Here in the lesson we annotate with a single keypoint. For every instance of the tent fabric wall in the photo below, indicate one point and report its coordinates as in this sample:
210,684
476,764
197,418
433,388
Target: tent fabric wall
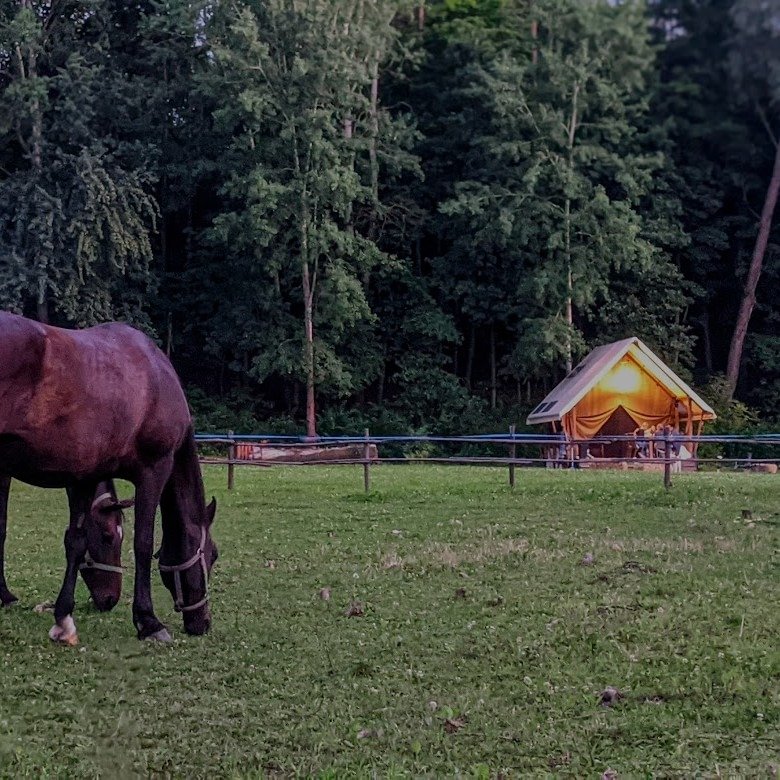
646,402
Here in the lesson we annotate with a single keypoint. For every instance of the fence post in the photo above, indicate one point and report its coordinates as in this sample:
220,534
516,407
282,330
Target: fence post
512,456
231,459
367,463
667,461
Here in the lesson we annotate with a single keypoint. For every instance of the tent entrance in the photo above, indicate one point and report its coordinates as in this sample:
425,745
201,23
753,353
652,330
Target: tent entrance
619,423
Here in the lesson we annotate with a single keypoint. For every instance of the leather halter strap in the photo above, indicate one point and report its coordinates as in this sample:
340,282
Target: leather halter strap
101,497
88,562
177,569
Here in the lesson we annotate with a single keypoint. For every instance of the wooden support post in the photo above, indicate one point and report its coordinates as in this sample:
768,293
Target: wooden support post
231,460
367,463
667,461
512,456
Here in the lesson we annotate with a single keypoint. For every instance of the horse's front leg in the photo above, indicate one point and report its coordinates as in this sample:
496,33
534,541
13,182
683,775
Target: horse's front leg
148,490
6,597
79,499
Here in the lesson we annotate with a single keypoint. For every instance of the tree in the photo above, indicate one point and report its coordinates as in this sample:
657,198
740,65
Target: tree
290,79
756,65
555,182
75,221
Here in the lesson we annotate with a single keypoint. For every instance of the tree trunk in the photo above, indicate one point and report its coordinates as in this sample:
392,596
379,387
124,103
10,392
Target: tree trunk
493,390
169,336
308,326
42,309
36,158
751,284
373,160
569,286
470,357
707,339
380,390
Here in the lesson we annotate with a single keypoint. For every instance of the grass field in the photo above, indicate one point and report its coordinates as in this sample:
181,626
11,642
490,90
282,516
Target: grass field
482,650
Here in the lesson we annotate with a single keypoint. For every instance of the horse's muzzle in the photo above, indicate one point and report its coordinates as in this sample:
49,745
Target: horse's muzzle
198,621
104,602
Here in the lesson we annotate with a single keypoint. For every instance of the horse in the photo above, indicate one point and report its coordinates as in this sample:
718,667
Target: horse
101,568
81,406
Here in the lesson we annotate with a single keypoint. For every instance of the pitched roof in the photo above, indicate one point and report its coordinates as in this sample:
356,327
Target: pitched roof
583,377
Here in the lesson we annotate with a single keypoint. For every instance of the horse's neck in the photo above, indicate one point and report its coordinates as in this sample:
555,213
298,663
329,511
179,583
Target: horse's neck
183,505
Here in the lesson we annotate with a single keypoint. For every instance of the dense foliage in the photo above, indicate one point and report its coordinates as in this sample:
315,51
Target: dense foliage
402,214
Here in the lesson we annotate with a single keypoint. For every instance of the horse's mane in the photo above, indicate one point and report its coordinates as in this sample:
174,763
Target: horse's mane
183,504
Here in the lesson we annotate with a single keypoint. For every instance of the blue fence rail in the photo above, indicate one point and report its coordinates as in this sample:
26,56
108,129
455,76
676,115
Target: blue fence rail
517,450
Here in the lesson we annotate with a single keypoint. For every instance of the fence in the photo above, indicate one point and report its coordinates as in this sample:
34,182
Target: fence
518,450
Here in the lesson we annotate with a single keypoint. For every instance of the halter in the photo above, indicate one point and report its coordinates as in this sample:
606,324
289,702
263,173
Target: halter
89,564
177,569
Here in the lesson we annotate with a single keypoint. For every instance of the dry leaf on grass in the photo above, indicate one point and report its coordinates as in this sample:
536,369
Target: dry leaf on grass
355,609
454,725
609,696
325,594
45,606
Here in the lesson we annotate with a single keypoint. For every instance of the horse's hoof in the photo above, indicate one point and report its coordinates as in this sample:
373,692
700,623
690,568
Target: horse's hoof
64,635
161,635
7,598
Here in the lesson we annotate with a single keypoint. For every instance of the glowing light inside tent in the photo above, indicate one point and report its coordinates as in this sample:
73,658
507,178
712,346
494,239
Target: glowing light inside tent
624,379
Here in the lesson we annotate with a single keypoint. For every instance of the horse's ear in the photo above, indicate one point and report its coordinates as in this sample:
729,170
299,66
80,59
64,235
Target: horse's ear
211,510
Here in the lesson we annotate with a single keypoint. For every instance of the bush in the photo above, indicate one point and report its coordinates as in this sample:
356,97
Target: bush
735,418
234,412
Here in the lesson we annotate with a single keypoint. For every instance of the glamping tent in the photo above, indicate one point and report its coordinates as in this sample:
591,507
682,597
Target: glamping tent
617,388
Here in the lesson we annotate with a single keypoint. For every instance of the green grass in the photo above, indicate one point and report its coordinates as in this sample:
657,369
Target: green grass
679,611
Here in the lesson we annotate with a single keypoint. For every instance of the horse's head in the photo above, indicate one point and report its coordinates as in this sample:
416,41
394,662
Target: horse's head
188,581
102,566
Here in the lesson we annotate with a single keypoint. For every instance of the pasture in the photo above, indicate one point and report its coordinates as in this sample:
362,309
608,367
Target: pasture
484,637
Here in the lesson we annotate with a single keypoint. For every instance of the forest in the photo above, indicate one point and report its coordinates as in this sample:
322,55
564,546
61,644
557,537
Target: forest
409,215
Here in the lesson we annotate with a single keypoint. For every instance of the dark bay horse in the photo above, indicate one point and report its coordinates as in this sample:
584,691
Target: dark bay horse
102,565
101,568
78,407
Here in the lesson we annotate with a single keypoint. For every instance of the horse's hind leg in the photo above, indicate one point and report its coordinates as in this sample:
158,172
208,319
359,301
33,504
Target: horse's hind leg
79,499
6,597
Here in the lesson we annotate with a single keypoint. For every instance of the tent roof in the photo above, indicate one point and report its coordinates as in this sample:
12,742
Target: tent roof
597,364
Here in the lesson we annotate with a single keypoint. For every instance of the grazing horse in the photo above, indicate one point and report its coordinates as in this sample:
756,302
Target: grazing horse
102,565
101,568
81,406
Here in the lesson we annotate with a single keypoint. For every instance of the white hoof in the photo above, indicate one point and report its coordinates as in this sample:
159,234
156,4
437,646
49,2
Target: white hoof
64,632
159,636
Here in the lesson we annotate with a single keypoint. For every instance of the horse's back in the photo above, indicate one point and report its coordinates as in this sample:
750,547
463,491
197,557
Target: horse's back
95,398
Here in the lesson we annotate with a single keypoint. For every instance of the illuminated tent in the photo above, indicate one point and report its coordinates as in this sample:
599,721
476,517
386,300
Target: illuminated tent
617,388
